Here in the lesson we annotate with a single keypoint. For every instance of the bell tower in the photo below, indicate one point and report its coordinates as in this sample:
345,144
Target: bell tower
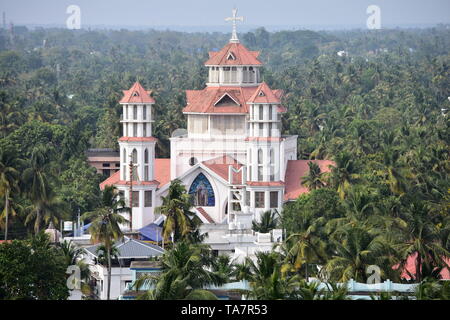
137,155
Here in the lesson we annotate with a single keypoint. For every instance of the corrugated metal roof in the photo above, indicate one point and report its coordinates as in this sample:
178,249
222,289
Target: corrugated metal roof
131,248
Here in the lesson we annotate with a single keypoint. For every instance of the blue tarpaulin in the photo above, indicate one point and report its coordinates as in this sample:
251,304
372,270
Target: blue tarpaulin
151,232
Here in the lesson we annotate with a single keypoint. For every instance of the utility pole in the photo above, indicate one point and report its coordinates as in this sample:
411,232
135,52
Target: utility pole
131,192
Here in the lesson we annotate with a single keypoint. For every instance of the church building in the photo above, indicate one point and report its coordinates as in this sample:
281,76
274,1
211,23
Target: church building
233,158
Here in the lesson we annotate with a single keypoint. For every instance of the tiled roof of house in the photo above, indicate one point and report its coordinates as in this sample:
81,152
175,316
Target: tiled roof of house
233,54
162,176
409,270
131,248
137,94
220,166
296,169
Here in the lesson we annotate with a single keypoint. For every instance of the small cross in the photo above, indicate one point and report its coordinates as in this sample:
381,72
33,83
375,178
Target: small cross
233,19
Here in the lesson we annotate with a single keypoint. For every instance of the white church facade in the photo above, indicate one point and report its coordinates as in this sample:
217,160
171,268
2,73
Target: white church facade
233,158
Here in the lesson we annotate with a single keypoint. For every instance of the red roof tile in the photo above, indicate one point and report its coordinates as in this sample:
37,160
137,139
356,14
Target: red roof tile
204,101
162,176
220,166
112,180
137,94
138,139
263,94
205,214
295,170
409,270
265,183
242,56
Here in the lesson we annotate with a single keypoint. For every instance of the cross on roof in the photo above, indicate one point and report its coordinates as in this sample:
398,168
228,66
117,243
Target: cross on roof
233,19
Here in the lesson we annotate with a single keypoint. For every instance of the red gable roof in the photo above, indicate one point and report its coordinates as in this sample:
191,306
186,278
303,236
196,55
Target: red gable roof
137,94
204,101
138,139
205,214
207,100
295,170
220,166
241,56
263,94
162,176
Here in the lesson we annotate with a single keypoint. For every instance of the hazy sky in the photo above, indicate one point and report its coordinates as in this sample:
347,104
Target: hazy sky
213,12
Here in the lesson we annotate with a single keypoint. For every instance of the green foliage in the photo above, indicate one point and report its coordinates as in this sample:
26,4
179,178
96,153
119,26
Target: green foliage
32,270
268,222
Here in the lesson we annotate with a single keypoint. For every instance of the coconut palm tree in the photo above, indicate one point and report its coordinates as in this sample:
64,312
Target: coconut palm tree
356,247
185,272
45,210
105,224
343,173
313,180
269,221
9,178
421,236
38,186
176,208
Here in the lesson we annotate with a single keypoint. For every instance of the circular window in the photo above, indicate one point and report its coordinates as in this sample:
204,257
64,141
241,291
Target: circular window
193,161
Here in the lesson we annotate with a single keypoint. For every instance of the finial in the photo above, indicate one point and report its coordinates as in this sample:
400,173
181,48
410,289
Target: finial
233,19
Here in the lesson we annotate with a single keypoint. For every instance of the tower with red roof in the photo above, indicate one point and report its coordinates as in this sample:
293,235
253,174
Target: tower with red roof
136,181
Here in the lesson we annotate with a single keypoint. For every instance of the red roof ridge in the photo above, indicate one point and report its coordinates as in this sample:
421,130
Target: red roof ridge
205,214
162,175
263,94
242,56
137,94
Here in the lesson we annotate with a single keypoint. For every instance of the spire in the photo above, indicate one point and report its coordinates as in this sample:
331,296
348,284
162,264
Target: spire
233,19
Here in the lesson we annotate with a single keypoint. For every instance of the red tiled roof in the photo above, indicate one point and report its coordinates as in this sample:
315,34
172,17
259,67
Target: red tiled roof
137,94
242,56
138,139
263,94
205,214
265,183
162,176
410,268
220,166
112,180
295,170
203,100
162,171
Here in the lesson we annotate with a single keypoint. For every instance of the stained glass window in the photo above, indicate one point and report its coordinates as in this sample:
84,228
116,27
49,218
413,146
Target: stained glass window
202,192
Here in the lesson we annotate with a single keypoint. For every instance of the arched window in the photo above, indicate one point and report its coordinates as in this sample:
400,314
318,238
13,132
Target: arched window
146,156
201,192
124,155
134,156
260,156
